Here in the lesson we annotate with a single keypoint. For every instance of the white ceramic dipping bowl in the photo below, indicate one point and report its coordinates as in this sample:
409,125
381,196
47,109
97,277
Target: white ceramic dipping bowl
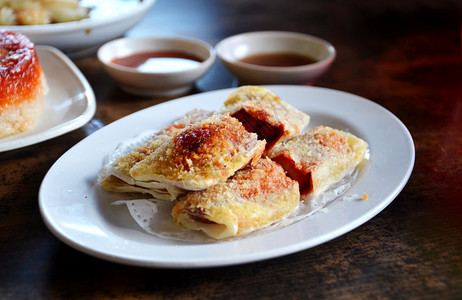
163,84
235,48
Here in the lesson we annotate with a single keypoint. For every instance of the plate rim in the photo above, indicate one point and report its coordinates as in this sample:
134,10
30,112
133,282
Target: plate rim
233,260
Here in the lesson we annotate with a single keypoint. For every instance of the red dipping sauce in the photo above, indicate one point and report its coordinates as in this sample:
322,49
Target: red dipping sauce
159,61
279,60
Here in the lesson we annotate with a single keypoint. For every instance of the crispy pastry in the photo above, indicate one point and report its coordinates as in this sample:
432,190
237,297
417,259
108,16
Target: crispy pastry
115,175
319,158
201,155
253,198
22,84
184,158
264,113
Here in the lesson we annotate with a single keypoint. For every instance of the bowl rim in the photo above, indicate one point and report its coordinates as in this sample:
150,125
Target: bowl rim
203,64
288,34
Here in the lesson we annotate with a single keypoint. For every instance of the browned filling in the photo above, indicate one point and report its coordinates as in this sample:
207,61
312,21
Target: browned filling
114,179
256,123
303,176
198,216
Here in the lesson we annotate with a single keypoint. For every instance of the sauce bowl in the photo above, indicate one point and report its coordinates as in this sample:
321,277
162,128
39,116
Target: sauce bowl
165,83
233,50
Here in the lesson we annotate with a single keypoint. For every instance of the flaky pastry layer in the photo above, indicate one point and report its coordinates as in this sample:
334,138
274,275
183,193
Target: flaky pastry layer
183,157
254,197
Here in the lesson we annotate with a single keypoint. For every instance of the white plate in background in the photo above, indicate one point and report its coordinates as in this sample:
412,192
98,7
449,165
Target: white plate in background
69,104
77,212
108,19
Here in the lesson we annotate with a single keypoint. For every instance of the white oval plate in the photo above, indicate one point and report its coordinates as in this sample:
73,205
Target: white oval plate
78,213
108,19
69,104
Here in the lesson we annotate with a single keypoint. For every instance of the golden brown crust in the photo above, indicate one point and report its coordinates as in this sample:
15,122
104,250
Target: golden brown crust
124,164
188,155
254,197
115,175
319,158
200,155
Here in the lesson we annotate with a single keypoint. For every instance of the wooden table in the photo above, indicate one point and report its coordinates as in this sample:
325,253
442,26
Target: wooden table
404,55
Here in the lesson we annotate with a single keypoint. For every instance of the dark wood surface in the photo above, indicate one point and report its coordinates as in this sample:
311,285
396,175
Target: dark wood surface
404,55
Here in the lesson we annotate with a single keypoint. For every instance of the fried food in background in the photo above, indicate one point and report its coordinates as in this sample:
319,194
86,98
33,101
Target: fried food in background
41,12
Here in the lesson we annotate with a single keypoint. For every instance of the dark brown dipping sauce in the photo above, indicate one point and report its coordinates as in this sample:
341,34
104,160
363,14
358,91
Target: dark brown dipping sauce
279,60
159,61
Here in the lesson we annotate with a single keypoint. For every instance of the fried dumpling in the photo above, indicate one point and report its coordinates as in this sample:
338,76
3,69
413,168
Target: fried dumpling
253,198
194,157
115,174
319,158
200,155
263,112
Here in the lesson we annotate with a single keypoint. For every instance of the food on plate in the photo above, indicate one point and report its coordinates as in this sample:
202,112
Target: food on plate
263,112
22,84
319,158
201,155
254,197
40,12
115,174
223,179
193,157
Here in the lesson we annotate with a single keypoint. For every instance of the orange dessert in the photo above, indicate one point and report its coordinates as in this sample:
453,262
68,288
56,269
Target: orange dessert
22,84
